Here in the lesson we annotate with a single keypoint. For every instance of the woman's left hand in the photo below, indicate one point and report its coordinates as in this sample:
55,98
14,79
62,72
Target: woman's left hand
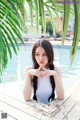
47,72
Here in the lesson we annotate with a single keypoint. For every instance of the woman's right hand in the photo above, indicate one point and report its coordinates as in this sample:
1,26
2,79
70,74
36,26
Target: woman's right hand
35,72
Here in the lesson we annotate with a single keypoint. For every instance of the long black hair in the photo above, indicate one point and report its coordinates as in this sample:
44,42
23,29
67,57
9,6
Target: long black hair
46,45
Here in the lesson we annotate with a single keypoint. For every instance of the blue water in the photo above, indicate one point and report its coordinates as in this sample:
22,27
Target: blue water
16,65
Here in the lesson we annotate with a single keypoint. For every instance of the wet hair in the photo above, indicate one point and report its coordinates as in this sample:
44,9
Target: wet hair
46,45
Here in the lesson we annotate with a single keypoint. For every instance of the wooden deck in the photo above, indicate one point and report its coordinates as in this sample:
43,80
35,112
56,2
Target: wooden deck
67,109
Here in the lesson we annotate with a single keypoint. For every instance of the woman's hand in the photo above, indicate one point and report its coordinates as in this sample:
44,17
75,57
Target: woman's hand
41,72
47,72
36,72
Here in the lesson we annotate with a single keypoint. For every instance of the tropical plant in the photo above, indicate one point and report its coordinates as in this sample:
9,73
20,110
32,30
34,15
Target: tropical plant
49,28
12,22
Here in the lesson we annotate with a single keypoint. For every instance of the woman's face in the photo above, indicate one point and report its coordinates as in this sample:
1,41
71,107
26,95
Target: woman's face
41,56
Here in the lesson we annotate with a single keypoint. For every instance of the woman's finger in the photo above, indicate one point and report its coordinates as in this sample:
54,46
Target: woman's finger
43,68
39,67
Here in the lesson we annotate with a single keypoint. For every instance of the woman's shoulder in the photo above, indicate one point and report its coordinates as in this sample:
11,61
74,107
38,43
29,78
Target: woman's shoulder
58,71
57,68
28,68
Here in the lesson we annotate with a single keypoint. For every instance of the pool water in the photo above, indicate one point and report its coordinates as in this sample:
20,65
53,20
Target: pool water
16,65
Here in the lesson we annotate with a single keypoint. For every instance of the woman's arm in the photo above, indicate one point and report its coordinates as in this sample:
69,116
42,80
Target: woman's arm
29,73
27,91
58,83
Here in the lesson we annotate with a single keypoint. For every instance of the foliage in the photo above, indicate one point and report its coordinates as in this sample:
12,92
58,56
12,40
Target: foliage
49,27
58,34
54,8
12,22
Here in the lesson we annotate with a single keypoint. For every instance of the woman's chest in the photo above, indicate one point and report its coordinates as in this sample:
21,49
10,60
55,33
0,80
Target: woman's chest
44,86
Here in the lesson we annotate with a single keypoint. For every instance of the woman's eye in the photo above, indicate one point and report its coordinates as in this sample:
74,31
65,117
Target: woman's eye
36,54
44,54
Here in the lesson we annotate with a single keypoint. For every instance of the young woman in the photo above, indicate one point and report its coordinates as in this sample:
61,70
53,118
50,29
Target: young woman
43,78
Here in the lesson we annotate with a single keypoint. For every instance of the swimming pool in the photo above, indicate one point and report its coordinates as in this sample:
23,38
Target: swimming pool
15,67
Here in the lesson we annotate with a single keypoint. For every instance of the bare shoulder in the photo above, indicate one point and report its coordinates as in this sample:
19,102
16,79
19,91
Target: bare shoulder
57,69
28,68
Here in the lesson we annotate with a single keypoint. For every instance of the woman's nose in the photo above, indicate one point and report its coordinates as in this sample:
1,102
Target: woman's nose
41,57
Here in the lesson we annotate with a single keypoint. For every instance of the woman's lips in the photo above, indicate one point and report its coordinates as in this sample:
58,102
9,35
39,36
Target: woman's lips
41,62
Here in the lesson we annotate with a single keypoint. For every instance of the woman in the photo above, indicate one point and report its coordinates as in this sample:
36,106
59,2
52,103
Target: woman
43,78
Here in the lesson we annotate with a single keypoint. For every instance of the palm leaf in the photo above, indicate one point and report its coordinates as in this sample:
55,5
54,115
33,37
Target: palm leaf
31,12
8,37
3,54
52,18
66,20
42,15
11,26
37,14
7,45
12,36
76,31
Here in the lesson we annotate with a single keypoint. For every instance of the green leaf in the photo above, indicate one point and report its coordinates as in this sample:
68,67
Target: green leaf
7,45
76,32
66,20
52,18
42,15
37,14
9,38
3,61
31,12
11,34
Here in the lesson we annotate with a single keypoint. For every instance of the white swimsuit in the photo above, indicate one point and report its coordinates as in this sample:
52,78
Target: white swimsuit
44,89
